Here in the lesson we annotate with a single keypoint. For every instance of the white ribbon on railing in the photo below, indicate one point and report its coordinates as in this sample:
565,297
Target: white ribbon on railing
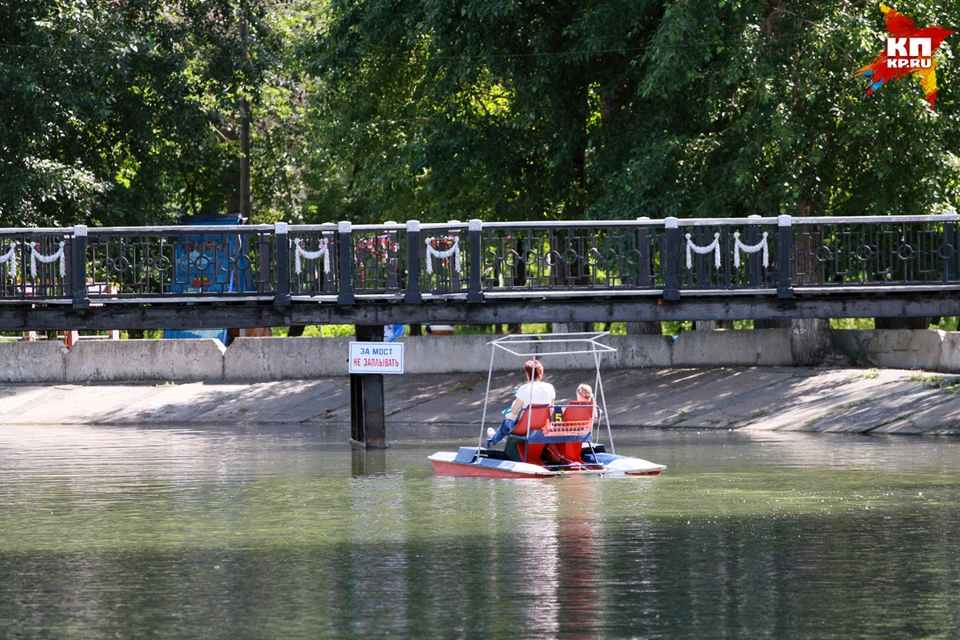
713,246
11,257
36,255
301,253
432,252
739,246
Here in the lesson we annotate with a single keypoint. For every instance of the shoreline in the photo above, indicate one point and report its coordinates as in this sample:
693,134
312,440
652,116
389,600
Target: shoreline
826,400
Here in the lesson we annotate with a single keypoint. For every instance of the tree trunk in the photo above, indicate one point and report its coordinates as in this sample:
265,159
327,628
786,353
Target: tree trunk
771,324
570,327
810,341
644,329
904,323
712,325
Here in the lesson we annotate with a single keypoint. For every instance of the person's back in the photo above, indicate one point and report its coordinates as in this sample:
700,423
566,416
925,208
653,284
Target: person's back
536,392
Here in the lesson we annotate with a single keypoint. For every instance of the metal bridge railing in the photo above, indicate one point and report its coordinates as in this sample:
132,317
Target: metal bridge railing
611,256
473,261
37,264
898,251
177,263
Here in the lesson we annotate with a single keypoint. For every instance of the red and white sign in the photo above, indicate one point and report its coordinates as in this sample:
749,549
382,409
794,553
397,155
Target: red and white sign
376,357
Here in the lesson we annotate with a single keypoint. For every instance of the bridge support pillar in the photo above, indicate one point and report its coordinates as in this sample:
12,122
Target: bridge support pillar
368,428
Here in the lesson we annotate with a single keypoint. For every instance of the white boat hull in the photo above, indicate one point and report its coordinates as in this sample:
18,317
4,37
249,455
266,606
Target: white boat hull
466,463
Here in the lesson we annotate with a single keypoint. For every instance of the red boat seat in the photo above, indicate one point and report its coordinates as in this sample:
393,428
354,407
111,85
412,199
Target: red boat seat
576,411
534,417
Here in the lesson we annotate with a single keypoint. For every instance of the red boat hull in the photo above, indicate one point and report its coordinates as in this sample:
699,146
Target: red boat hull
461,470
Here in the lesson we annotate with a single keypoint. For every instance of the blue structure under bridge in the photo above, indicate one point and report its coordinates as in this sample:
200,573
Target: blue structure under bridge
208,263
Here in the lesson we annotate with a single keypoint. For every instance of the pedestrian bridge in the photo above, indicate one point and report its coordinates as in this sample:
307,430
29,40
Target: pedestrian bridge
478,272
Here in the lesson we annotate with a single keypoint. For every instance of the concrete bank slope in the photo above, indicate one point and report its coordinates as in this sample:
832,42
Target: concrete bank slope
767,398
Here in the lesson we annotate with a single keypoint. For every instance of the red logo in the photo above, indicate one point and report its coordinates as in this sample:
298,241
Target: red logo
909,51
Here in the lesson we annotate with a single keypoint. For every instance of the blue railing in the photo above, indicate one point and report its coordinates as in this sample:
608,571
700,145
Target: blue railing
478,261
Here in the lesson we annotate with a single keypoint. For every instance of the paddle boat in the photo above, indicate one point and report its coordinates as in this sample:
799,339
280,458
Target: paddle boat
549,440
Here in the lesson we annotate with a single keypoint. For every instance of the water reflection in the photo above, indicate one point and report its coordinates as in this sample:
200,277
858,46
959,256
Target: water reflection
289,533
578,596
536,551
368,462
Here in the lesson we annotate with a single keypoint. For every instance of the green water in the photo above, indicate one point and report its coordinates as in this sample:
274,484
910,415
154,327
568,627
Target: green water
279,533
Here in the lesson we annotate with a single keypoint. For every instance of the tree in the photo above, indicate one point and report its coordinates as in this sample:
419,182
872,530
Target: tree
619,108
484,107
118,112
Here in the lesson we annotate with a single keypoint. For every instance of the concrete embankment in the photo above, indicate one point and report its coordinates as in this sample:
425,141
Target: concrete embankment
260,359
648,383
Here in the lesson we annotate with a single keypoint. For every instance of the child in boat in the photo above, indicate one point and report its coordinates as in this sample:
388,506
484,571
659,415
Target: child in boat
585,396
535,391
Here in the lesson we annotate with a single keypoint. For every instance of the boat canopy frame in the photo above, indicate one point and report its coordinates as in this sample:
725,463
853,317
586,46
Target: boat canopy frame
540,345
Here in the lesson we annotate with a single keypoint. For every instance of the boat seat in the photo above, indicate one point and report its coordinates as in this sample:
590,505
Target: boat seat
579,410
566,437
535,430
576,425
530,422
533,417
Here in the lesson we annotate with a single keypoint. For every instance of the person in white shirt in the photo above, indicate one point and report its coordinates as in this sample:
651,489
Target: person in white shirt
534,392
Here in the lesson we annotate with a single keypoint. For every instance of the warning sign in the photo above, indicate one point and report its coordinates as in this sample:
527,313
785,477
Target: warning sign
376,357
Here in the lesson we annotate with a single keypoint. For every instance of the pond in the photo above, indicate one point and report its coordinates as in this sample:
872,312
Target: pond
254,532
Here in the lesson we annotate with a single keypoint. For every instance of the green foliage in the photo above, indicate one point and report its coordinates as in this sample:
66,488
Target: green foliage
860,324
949,324
119,112
127,111
675,328
620,108
329,331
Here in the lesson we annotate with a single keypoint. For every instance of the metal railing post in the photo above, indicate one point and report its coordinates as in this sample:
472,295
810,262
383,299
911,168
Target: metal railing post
753,260
414,294
475,285
784,246
644,273
671,289
393,278
345,243
454,273
949,255
328,280
78,269
281,294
